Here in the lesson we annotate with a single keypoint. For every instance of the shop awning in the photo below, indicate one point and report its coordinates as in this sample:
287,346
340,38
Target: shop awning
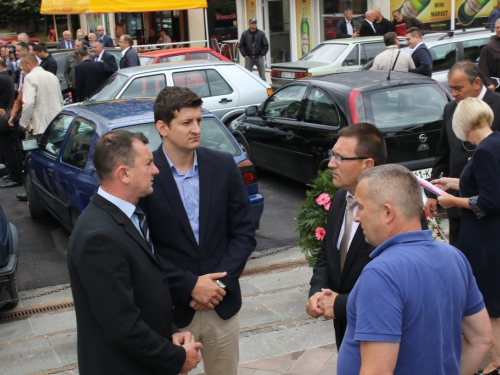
116,6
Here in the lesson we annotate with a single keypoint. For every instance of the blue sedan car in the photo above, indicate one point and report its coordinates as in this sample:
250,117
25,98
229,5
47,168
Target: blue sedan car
60,175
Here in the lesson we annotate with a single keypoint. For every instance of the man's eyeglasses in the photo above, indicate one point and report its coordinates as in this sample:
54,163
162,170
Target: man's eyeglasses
339,159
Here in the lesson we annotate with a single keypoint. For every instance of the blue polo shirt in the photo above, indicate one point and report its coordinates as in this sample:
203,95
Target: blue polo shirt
415,292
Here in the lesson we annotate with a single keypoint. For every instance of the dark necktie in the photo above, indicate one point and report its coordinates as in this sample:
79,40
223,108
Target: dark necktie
68,45
344,243
143,224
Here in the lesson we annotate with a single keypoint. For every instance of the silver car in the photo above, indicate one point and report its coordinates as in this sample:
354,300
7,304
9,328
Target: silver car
226,88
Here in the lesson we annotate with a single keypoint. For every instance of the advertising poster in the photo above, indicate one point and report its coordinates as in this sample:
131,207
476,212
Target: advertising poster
436,15
303,28
251,11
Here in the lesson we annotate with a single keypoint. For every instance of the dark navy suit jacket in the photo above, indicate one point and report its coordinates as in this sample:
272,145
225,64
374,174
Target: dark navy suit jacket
423,61
226,230
89,76
107,41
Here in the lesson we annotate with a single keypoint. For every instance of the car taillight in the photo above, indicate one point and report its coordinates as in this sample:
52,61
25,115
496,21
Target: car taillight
356,107
302,75
275,74
248,172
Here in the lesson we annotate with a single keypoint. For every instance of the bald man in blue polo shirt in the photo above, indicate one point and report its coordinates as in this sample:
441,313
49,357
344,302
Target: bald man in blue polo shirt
417,297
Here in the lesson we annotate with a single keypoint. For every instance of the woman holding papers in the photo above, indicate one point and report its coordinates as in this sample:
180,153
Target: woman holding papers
479,186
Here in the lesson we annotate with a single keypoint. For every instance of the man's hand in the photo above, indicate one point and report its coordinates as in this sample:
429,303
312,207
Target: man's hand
11,121
326,303
2,112
206,290
192,356
182,338
492,87
431,207
355,34
312,307
24,129
198,306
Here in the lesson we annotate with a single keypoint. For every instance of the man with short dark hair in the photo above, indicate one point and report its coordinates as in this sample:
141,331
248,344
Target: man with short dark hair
392,58
419,52
210,233
129,55
416,307
89,75
345,27
253,47
21,50
494,15
106,40
70,64
489,60
382,24
344,252
152,39
403,23
6,57
465,80
122,301
164,38
67,42
100,54
48,63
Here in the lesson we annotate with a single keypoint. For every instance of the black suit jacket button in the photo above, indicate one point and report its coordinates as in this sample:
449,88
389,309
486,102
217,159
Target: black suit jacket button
165,279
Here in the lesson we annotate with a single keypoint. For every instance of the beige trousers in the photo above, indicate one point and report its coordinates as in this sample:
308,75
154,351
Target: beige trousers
220,339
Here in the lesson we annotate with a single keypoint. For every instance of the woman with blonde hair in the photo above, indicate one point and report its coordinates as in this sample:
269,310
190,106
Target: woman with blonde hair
479,200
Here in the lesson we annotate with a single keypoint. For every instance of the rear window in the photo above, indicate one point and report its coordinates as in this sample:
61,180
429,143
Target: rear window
213,136
203,56
325,52
146,60
404,106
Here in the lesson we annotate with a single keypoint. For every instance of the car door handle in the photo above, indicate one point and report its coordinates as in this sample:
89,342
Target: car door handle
50,170
225,100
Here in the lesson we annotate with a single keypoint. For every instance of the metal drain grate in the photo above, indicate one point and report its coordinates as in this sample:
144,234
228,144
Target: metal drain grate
275,267
28,312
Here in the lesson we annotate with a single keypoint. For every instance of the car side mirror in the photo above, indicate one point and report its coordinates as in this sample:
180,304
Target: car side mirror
252,111
30,144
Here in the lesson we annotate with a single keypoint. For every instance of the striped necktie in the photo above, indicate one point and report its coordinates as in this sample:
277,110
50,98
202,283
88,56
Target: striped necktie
143,224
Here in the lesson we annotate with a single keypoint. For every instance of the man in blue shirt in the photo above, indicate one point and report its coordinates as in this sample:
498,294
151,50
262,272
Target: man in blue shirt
494,15
417,297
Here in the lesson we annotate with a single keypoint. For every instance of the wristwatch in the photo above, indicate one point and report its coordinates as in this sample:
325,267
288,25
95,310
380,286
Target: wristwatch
221,284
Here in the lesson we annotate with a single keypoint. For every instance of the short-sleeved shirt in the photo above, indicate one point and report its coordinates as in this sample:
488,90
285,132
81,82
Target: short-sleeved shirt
415,292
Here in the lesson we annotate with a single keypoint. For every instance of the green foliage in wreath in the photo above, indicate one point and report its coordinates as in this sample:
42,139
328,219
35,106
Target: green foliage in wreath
312,215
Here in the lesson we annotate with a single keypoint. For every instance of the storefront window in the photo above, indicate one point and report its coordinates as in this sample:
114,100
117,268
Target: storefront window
333,11
133,24
222,18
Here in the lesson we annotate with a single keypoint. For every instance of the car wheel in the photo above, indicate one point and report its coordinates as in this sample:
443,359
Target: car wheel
244,146
13,293
36,211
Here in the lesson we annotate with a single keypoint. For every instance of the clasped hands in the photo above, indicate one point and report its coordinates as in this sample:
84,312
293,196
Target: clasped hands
187,341
321,303
206,293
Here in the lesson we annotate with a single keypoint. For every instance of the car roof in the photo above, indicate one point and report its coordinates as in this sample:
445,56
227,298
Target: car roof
174,51
120,111
359,79
362,39
457,35
170,65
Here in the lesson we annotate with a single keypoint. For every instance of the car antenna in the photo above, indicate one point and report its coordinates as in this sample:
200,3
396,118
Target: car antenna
389,75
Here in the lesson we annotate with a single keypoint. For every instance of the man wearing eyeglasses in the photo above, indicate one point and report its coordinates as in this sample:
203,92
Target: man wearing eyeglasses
344,251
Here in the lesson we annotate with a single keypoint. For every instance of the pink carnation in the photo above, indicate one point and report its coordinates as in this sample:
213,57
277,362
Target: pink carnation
323,199
320,233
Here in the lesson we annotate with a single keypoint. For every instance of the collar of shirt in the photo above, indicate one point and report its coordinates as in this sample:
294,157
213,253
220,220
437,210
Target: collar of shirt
126,207
482,93
125,51
421,235
99,57
349,26
194,168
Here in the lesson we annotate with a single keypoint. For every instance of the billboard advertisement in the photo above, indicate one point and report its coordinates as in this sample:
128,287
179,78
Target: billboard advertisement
303,29
436,15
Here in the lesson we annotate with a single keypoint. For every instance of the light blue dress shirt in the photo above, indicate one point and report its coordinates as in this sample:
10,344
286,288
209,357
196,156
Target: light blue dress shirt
189,189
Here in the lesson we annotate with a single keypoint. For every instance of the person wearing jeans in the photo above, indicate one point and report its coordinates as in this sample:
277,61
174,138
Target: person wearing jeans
254,46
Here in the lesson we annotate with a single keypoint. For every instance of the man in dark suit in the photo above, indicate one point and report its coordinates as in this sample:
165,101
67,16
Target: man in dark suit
122,300
382,24
106,40
367,26
421,55
344,254
89,75
465,80
202,228
48,63
345,27
67,42
129,55
100,54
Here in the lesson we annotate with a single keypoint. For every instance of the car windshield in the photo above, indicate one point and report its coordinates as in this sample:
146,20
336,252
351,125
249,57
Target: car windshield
213,136
146,60
110,88
406,106
327,52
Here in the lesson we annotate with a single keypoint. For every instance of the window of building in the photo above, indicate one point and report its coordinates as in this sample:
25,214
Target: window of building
221,19
332,11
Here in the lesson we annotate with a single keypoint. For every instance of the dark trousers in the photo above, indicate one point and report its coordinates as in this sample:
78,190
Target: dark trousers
454,233
340,329
9,144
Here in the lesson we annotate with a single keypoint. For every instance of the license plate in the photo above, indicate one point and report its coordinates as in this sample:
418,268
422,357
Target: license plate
423,173
287,75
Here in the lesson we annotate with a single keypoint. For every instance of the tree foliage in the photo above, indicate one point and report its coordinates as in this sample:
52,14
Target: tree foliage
19,12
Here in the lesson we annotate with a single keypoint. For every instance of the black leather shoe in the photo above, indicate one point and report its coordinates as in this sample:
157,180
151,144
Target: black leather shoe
10,184
22,197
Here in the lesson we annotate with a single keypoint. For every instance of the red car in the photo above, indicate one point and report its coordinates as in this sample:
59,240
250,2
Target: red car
180,54
8,41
